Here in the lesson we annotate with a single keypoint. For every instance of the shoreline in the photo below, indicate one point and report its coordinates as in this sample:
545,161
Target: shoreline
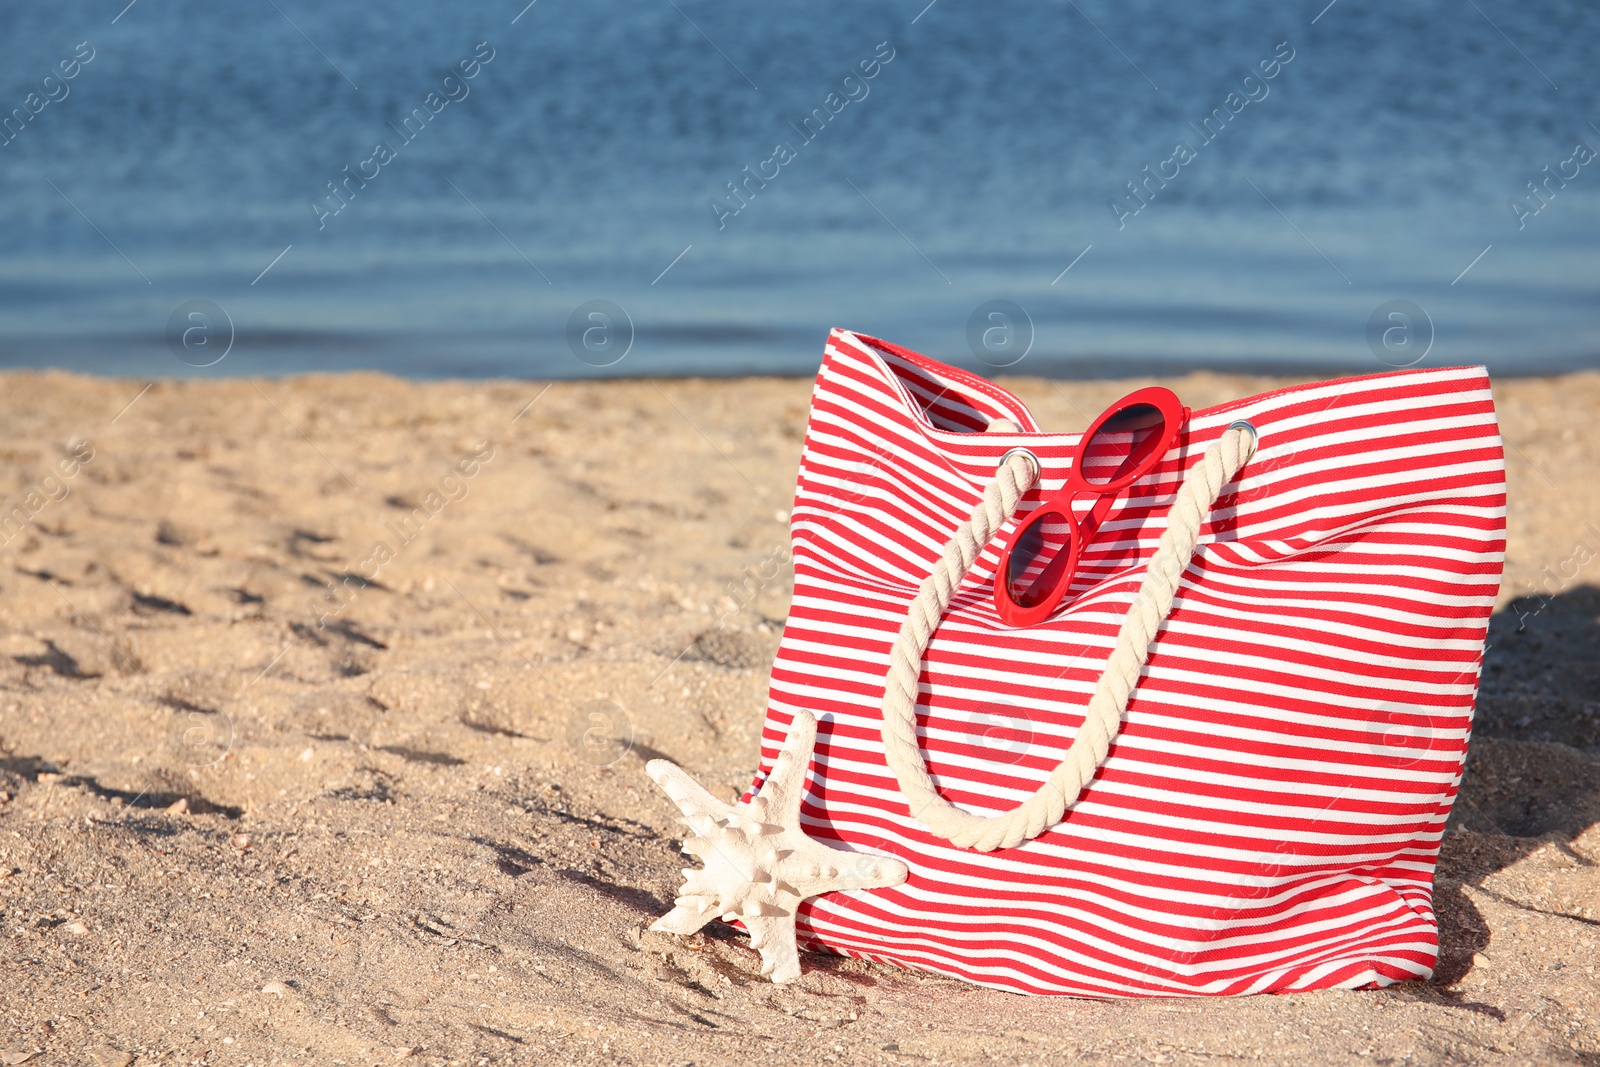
504,358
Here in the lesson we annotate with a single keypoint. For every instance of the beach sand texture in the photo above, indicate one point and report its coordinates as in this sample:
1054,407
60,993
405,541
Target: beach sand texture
246,820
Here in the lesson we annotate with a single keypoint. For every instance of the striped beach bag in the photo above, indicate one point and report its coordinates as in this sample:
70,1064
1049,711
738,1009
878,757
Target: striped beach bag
1213,751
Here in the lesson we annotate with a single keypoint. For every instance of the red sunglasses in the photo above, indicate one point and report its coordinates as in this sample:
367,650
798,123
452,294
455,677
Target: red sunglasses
1120,447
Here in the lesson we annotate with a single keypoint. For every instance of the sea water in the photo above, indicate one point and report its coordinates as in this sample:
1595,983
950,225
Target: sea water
589,187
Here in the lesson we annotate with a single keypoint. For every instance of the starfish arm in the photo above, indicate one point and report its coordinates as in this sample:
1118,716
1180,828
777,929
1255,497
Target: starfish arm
812,869
690,797
773,936
684,920
786,785
894,873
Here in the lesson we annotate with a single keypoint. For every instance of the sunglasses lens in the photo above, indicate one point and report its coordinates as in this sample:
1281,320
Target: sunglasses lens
1038,559
1123,443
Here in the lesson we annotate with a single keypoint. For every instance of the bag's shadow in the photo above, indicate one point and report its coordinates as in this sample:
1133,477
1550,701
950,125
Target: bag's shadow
1533,767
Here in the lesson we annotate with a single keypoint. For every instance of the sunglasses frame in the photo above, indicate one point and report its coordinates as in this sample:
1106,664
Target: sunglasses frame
1060,503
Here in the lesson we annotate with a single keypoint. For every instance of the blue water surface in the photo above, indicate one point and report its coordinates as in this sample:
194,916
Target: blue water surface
1273,222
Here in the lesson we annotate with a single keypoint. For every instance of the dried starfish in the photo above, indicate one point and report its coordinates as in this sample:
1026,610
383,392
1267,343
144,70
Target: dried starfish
758,864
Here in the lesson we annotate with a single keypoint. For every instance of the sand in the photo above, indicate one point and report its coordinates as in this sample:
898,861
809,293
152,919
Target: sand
245,819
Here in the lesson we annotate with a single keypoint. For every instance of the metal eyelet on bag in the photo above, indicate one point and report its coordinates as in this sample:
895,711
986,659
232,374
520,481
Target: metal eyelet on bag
1245,424
1033,459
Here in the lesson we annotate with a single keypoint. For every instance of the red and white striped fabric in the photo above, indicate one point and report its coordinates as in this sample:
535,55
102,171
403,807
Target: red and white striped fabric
1269,817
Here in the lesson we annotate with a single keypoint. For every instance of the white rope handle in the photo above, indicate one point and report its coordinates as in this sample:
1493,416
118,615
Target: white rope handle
1103,718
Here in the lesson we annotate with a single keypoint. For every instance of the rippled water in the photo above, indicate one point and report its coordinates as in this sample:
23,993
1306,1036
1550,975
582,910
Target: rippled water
981,159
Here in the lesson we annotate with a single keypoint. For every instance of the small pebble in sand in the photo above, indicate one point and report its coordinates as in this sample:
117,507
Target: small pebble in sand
76,929
277,989
240,841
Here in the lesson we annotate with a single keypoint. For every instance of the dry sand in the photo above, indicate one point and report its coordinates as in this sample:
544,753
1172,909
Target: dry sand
229,836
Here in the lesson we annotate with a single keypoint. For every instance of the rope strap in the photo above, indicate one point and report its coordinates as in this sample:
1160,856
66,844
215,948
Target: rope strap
1103,717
